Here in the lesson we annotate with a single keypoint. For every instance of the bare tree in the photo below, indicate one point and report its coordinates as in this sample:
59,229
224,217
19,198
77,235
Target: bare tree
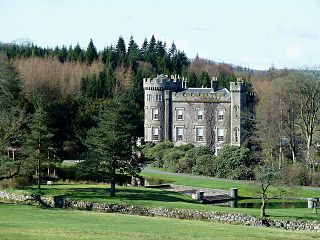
268,178
304,90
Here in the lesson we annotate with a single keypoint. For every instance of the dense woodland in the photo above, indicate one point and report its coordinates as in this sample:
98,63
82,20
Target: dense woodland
53,100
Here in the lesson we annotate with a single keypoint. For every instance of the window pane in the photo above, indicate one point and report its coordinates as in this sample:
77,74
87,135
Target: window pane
199,131
221,132
200,114
155,131
179,114
179,131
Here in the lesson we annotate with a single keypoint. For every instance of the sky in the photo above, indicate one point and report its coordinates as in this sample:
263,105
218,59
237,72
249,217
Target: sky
250,33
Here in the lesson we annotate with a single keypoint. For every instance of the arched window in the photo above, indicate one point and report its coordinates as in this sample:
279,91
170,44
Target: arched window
236,134
236,111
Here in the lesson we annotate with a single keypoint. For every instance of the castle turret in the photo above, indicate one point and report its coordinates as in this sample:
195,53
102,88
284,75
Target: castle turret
158,93
238,91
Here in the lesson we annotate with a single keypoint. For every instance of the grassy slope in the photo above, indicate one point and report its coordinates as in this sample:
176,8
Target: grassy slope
155,198
246,189
26,222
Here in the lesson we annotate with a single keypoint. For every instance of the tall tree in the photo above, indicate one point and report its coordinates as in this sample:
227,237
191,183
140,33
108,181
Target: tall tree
133,53
121,49
304,90
144,48
91,53
111,144
39,140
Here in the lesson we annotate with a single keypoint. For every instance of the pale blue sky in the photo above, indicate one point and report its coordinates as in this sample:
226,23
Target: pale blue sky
251,33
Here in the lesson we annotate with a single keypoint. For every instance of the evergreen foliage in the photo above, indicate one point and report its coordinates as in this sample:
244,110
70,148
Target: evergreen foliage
111,145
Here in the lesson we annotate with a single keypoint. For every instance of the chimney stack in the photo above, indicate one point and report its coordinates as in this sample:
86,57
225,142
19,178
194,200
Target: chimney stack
214,83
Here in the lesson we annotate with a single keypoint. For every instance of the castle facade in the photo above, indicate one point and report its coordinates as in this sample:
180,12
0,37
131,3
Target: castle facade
202,116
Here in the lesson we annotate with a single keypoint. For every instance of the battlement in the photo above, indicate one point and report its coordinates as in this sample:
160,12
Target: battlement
207,96
163,82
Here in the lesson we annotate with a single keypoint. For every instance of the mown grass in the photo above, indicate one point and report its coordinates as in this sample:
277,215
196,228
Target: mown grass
27,222
145,197
246,188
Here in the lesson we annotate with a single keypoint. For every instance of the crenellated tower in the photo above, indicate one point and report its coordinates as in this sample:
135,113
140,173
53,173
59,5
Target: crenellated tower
158,95
239,92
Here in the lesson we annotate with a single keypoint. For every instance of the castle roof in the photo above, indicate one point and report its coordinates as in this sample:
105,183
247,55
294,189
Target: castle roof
224,91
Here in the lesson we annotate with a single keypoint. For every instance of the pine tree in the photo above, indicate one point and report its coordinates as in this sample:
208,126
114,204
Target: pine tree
91,53
121,49
205,79
151,51
111,143
144,48
39,140
133,53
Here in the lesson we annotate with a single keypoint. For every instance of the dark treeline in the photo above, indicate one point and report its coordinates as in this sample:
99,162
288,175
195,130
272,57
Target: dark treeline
55,96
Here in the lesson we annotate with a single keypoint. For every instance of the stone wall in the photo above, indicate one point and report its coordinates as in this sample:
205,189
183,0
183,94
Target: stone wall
159,212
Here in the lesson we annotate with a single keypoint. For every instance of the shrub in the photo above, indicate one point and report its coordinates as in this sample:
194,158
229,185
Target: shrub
191,156
233,162
15,182
298,174
171,158
204,165
156,153
158,181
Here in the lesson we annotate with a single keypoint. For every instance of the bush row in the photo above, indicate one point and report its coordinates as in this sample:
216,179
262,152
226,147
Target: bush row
232,162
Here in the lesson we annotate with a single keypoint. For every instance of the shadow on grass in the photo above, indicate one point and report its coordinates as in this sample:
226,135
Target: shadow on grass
124,194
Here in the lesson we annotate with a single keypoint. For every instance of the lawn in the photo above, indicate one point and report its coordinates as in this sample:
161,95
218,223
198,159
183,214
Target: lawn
27,222
147,197
246,188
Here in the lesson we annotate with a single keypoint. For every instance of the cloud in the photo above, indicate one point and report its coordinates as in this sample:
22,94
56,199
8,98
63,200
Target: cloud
293,51
290,30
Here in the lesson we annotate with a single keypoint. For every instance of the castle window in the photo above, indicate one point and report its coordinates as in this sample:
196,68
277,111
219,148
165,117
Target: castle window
236,111
159,97
236,134
155,113
179,133
220,134
200,114
149,97
220,115
155,134
199,134
179,114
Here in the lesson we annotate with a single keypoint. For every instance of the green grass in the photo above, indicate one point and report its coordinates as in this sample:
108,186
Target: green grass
27,222
145,197
246,188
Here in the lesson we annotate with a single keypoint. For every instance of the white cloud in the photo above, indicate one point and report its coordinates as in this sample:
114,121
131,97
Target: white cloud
290,30
293,51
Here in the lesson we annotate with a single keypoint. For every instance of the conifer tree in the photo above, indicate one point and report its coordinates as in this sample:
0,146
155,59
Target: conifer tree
91,53
144,48
111,143
39,140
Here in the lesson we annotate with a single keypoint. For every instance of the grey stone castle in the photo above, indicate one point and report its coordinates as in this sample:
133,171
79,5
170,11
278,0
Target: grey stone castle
202,116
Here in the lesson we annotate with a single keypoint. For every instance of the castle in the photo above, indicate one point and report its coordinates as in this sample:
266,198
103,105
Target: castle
202,116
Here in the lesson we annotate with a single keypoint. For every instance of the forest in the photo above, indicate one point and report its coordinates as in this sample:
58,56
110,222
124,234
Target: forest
52,98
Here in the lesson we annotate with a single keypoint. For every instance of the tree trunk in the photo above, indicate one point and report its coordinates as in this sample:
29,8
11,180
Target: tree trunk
263,208
310,165
113,180
39,174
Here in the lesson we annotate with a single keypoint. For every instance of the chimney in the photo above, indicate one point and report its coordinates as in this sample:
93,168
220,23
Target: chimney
214,83
185,83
